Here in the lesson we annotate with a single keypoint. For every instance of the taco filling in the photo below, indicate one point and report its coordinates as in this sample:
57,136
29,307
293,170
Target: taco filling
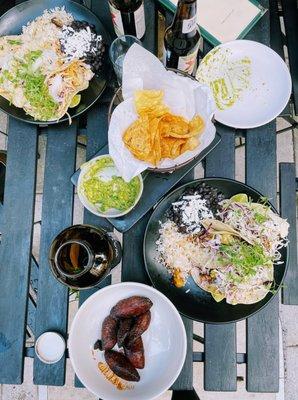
228,246
37,71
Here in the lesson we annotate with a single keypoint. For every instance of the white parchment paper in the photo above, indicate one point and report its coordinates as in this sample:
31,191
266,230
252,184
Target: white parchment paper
184,96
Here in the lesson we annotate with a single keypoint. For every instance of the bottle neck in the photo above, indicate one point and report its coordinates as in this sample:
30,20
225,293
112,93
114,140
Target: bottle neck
126,5
185,18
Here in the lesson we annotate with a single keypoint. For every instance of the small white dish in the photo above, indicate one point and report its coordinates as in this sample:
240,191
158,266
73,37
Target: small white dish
50,347
107,173
255,72
164,343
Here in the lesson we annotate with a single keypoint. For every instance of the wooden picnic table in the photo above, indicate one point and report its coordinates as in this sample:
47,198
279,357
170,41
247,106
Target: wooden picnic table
20,273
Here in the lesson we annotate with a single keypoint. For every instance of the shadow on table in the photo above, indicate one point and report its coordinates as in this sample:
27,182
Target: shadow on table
2,173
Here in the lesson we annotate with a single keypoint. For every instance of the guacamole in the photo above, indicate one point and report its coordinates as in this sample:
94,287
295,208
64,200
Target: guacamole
105,189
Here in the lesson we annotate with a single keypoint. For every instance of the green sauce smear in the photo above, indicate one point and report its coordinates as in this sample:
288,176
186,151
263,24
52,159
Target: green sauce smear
107,194
14,42
226,77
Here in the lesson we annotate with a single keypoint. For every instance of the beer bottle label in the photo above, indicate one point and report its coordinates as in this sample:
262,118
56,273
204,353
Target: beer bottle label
187,63
117,20
189,24
140,21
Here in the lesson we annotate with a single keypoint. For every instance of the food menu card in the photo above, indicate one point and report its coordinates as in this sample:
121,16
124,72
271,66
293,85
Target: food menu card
224,20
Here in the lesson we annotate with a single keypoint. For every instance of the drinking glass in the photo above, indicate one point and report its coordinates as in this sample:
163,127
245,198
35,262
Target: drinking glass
118,50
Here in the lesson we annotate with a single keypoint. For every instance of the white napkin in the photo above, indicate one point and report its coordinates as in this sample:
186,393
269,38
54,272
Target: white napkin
184,96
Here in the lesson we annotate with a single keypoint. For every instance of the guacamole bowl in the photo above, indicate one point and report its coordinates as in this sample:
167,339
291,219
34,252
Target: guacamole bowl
102,190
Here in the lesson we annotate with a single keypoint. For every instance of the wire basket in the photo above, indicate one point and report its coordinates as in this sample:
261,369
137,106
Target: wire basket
117,99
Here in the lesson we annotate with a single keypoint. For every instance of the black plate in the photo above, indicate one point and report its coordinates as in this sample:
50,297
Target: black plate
198,304
11,23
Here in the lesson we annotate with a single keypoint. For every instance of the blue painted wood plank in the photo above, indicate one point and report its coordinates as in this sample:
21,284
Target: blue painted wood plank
261,160
287,177
133,267
15,249
290,14
277,40
221,161
185,379
276,36
57,209
220,370
262,328
33,284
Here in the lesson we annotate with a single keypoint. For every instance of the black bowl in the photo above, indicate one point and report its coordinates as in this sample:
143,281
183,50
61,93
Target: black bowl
11,23
198,304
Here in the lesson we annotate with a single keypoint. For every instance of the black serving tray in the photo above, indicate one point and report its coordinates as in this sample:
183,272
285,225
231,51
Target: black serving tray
156,185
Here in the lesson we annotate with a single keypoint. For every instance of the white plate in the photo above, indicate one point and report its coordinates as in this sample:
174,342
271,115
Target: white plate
112,212
164,343
267,91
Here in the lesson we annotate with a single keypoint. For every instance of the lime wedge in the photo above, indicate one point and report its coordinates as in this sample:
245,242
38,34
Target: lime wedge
75,101
239,198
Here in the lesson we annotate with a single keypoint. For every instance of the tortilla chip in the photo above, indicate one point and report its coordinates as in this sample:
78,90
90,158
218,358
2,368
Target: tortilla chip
150,102
157,133
174,126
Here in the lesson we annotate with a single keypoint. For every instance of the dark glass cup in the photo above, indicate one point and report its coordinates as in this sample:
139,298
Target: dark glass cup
82,256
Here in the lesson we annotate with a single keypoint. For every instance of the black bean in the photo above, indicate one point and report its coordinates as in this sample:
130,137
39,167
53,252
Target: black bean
212,196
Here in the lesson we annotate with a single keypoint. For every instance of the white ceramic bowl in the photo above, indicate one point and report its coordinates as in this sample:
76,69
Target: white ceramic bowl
164,343
111,213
